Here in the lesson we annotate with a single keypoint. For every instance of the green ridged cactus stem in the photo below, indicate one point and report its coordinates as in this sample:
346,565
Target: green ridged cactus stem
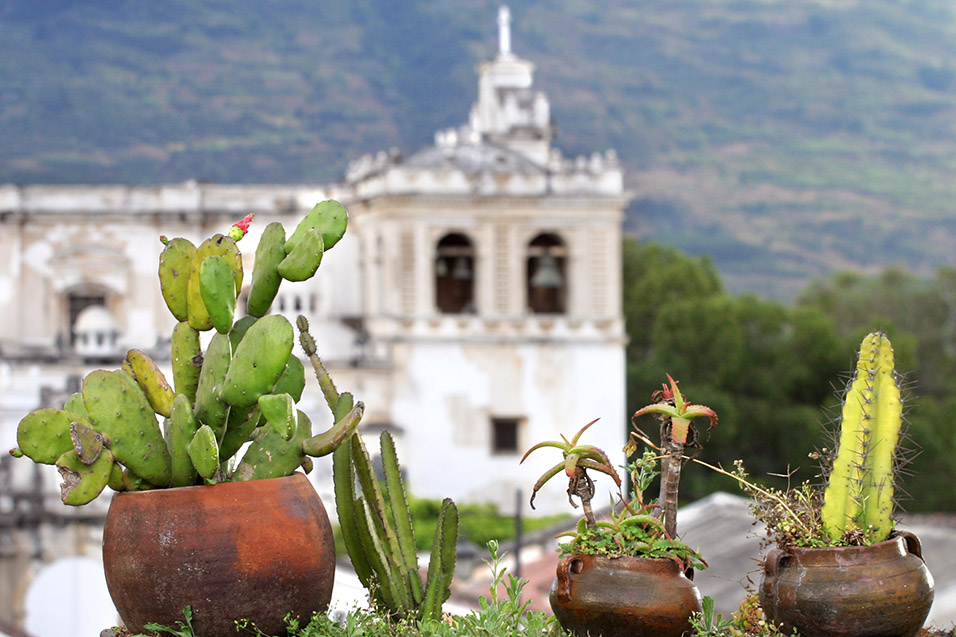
859,493
308,346
377,529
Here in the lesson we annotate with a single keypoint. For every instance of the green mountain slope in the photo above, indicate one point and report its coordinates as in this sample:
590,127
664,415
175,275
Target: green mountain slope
786,139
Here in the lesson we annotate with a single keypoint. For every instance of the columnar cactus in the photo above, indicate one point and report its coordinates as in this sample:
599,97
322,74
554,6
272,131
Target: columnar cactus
243,388
379,537
859,492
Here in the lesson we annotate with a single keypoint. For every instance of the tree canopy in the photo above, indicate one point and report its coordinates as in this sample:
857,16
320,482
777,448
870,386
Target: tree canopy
775,372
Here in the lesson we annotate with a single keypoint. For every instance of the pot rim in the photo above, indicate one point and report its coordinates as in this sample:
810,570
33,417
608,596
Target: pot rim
632,562
228,484
617,557
898,544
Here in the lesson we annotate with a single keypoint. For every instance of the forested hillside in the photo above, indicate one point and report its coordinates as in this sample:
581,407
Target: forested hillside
785,139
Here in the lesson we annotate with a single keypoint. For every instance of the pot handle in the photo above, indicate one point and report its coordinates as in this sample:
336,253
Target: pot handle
566,566
773,561
912,543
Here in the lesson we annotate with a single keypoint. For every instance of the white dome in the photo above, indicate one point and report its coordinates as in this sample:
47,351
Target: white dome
95,333
94,318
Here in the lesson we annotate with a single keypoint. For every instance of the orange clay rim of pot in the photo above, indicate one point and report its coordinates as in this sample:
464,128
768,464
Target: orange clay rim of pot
898,544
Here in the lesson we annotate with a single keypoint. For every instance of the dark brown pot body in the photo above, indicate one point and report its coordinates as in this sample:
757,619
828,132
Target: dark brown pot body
883,590
237,550
625,596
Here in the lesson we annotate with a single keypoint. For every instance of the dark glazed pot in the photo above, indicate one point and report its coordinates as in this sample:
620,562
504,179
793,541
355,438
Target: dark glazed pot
883,590
237,550
624,596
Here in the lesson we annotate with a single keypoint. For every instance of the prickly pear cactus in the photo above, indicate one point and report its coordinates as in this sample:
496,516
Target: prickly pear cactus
242,389
329,218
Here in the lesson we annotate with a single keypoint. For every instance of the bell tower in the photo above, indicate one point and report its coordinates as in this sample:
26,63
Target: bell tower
492,288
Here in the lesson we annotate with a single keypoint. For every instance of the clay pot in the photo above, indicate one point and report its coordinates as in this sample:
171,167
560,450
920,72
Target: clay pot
624,596
866,591
238,550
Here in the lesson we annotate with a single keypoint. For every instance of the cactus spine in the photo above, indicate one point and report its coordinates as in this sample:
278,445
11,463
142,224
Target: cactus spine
860,488
379,537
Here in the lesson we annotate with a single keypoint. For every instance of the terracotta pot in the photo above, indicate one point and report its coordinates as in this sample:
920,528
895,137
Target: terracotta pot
624,596
255,550
866,591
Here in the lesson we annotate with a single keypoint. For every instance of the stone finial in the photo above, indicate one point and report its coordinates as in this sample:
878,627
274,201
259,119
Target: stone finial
504,31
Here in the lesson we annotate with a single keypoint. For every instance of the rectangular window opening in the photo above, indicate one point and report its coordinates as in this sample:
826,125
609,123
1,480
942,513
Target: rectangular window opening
504,435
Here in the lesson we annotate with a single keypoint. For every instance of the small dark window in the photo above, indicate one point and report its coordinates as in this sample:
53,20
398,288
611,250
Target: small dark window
504,435
455,275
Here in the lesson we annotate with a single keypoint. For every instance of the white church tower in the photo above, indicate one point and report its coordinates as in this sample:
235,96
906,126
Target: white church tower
491,283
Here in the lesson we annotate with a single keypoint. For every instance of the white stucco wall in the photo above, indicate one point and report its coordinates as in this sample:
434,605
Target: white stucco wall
448,394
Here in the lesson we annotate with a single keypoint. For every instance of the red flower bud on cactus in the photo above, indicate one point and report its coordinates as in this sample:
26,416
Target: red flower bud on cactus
164,239
240,228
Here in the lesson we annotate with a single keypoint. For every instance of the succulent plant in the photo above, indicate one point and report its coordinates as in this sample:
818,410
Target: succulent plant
859,492
379,537
131,429
677,431
632,526
577,459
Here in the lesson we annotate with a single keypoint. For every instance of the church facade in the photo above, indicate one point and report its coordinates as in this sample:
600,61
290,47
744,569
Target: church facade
474,304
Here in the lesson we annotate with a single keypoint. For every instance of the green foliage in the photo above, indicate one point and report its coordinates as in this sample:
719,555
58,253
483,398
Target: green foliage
183,629
747,621
641,538
770,369
763,366
477,523
655,275
708,624
507,616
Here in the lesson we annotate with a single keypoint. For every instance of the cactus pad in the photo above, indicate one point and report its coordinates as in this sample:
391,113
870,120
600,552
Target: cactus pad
218,292
305,258
265,275
187,360
180,428
83,482
152,381
119,409
329,218
44,435
174,264
260,358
